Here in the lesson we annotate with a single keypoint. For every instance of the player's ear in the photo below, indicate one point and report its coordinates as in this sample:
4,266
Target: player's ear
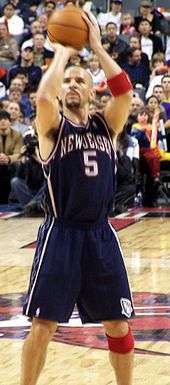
92,95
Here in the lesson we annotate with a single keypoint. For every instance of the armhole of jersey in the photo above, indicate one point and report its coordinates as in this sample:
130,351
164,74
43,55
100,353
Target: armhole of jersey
102,119
60,129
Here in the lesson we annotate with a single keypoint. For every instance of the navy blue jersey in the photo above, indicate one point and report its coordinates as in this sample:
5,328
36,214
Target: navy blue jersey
80,172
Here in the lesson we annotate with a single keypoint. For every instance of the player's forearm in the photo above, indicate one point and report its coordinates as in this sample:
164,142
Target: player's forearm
109,66
51,82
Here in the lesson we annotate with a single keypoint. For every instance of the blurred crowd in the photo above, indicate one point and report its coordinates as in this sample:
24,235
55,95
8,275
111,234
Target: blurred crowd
140,44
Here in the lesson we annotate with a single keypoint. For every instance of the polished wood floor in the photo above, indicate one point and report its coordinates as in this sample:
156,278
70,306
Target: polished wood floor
146,246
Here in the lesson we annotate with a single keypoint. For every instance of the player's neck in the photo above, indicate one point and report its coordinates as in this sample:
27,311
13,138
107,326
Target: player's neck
77,116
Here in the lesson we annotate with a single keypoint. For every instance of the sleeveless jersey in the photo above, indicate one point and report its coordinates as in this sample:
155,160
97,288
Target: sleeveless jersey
80,172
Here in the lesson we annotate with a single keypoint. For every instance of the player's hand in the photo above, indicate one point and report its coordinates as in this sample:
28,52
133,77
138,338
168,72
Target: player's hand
94,30
66,50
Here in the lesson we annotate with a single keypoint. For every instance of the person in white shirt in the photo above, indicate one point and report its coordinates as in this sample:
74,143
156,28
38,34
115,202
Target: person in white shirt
113,16
95,70
14,22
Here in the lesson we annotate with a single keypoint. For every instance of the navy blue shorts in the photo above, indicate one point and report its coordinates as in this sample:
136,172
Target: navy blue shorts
78,266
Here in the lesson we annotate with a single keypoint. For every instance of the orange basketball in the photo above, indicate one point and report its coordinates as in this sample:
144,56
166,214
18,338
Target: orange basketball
66,26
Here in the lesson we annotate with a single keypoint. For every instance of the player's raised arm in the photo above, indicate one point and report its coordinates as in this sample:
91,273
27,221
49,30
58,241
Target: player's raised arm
48,113
117,109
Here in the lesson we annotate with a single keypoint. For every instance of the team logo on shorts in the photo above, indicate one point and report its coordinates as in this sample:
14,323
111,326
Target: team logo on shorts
126,307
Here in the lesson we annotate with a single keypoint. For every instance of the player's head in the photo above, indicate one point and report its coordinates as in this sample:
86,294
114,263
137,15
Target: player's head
77,88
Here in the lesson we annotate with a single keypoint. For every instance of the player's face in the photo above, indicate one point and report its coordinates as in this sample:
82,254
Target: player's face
76,88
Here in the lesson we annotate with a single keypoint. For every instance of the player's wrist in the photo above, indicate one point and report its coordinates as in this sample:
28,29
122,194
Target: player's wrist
119,84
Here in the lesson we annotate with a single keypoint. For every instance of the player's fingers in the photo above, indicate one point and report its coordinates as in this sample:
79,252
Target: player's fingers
91,17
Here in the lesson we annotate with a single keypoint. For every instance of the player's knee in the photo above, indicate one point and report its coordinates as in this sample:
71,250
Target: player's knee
42,331
119,336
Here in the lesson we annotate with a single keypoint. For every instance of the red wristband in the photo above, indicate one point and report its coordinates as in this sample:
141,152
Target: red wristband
119,84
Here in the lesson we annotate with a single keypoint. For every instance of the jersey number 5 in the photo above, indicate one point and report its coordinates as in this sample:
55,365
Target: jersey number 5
90,163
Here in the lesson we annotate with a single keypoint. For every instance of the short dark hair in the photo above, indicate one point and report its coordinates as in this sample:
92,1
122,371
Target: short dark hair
111,23
8,3
145,20
4,115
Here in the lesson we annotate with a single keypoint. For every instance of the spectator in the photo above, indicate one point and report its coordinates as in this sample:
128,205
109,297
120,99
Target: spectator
14,22
42,56
10,146
49,7
128,176
103,100
95,70
8,48
27,186
166,87
136,104
15,113
27,40
127,27
146,11
32,99
113,44
154,105
158,91
28,68
114,16
138,73
150,43
134,42
15,95
158,68
44,4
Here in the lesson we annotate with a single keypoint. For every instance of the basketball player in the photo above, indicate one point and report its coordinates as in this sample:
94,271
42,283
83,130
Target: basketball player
78,257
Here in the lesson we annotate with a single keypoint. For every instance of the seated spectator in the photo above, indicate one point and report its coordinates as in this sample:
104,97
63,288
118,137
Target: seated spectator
136,104
49,7
150,153
150,43
32,99
15,114
8,48
45,8
146,11
27,67
114,16
104,100
26,10
165,82
127,28
128,176
158,68
158,91
27,40
14,22
42,56
94,69
10,146
154,105
112,43
134,42
138,73
27,185
15,95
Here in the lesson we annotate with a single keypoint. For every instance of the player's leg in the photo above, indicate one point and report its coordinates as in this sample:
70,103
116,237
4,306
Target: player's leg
34,350
121,350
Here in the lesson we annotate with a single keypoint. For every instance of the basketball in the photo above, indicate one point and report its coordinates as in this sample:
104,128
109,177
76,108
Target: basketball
67,27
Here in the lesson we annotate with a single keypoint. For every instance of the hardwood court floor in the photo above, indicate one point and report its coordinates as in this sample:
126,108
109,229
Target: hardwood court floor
78,356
